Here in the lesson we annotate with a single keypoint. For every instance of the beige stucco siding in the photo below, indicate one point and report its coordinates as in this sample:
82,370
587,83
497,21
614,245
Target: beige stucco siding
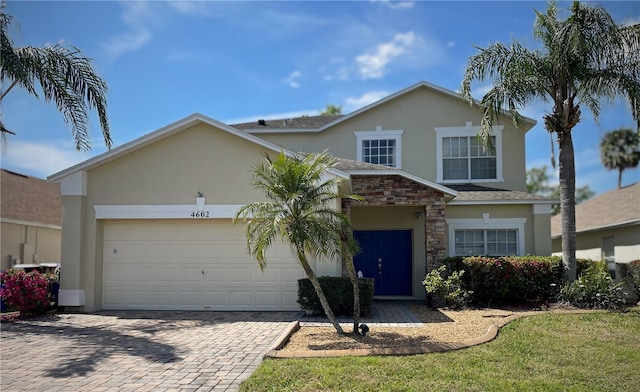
29,244
417,114
172,171
589,244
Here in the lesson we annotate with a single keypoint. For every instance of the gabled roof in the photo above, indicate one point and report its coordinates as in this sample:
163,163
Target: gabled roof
32,200
164,132
616,208
320,123
357,168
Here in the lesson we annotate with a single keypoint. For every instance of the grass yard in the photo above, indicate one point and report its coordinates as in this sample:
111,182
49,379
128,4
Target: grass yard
549,352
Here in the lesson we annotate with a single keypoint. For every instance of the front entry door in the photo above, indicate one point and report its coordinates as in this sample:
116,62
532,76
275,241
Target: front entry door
386,256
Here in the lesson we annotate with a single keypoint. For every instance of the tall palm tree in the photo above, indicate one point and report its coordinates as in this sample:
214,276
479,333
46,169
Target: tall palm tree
65,76
583,59
620,149
299,211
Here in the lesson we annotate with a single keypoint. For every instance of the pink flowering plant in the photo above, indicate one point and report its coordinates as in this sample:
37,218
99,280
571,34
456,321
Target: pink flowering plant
27,291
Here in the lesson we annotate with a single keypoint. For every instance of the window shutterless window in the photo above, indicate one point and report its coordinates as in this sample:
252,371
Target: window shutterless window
486,242
380,147
461,157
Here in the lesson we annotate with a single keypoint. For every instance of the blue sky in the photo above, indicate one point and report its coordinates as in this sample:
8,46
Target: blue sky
240,61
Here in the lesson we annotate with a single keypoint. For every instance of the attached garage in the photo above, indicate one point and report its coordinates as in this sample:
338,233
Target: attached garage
192,265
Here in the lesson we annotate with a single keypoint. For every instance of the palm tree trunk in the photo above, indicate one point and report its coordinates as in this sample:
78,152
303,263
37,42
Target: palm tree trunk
316,285
567,173
620,178
347,260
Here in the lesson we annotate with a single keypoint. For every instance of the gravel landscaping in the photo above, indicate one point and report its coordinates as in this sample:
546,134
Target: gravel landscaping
440,326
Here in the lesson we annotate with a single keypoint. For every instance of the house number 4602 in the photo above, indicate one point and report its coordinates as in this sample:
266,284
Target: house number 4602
200,214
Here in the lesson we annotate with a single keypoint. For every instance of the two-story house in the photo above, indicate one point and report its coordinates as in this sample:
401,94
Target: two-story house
148,225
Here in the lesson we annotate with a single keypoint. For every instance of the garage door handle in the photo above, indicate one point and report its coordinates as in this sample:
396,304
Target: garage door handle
202,272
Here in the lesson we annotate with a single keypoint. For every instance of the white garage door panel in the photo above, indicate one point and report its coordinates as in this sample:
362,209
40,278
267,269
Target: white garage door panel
193,266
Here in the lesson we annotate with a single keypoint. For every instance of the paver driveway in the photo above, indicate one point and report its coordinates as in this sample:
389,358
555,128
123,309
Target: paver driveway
137,350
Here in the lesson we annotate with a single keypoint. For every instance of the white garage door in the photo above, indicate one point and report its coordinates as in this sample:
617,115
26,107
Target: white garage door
187,265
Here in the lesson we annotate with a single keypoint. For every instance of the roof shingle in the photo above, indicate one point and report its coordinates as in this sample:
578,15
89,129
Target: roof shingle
616,207
29,199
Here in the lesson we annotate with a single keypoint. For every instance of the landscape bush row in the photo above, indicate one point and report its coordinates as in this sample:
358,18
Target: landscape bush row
486,280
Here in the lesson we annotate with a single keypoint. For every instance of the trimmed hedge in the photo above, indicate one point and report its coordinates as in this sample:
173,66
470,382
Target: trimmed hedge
512,279
339,294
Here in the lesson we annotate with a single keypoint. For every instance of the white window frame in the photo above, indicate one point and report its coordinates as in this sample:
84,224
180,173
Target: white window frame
379,134
468,131
487,223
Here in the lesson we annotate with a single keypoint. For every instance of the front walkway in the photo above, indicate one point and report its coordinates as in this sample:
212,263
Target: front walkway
384,313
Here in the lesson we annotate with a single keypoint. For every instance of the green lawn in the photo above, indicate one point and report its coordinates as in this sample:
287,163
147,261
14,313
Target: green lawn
548,352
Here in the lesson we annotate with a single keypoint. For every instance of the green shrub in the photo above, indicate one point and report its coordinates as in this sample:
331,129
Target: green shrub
633,275
594,289
509,279
339,294
450,289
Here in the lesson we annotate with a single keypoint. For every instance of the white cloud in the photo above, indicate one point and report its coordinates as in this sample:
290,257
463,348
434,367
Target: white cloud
373,65
631,21
395,5
40,159
355,103
136,15
292,79
126,42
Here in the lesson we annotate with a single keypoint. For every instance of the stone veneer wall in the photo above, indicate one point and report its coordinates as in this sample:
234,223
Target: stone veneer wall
399,191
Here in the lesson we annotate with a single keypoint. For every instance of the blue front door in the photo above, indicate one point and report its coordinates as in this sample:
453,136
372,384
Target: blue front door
386,256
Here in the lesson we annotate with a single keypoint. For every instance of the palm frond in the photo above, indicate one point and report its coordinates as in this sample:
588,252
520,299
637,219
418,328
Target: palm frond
65,76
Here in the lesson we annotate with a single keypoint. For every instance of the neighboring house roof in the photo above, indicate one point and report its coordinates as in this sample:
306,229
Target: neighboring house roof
619,207
476,194
167,131
322,122
25,199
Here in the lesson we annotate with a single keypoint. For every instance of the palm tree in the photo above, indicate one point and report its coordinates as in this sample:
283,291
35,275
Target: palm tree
65,77
299,211
620,149
583,59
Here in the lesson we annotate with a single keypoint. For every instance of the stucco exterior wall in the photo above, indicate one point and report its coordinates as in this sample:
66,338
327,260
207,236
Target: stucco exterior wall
417,114
537,240
589,244
29,244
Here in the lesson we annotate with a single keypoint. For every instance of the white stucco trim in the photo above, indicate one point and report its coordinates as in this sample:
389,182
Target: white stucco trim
71,297
75,184
380,134
175,211
468,131
542,208
487,223
29,223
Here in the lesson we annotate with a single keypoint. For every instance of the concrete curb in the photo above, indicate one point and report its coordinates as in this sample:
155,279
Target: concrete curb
491,334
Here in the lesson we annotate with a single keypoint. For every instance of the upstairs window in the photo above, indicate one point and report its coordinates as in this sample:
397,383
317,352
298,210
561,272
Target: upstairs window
380,147
465,158
461,157
381,152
